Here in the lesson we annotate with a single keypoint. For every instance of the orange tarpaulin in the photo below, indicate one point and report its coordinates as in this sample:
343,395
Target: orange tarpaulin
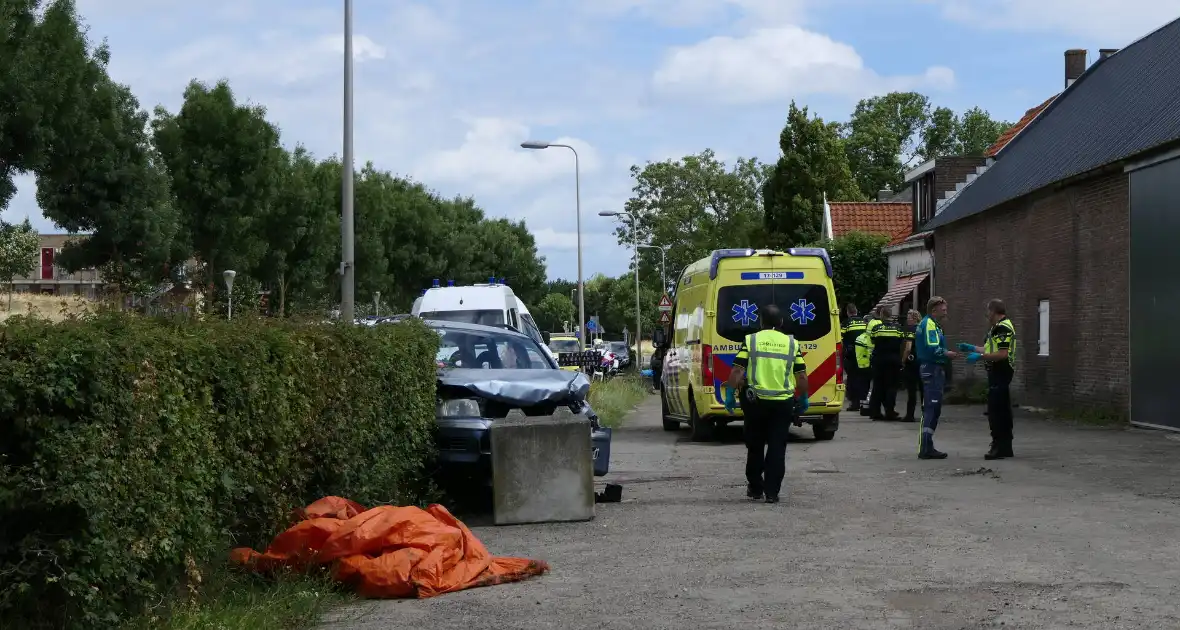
388,551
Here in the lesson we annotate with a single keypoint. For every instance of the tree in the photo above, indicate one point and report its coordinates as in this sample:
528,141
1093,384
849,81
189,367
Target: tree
227,167
301,230
884,136
859,268
977,131
553,311
695,205
19,245
813,163
105,178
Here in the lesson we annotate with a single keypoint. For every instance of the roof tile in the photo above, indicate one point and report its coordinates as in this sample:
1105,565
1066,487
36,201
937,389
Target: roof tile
872,217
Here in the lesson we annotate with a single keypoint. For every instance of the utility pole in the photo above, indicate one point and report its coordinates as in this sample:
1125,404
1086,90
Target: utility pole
347,229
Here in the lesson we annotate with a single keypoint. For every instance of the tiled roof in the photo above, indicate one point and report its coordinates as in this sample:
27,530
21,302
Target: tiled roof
871,217
1122,106
899,237
1011,132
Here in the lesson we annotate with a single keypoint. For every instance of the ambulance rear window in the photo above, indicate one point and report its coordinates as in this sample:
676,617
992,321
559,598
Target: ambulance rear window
804,307
485,317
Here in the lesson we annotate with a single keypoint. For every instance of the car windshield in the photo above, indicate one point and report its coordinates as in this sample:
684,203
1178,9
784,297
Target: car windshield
482,317
617,347
564,345
488,351
804,307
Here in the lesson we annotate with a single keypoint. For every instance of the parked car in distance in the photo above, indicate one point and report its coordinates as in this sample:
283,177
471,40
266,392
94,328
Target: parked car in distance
484,373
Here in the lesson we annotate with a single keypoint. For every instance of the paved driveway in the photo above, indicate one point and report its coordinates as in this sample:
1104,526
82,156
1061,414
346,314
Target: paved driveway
1082,531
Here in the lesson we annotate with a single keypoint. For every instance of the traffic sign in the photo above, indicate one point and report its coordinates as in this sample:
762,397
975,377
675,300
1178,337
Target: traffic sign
665,303
666,317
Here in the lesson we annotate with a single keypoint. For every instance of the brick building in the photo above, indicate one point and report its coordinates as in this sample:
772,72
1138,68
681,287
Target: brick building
1048,228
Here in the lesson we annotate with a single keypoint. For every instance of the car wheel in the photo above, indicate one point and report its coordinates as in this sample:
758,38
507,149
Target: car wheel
670,424
826,429
702,429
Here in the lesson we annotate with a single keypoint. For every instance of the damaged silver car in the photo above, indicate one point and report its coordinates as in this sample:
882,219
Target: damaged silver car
484,373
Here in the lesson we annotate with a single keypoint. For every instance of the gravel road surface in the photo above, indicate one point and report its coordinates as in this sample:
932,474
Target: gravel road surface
1081,531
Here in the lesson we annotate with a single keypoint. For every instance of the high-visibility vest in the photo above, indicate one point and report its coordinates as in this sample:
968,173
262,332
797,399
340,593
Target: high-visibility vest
770,373
864,351
992,342
870,327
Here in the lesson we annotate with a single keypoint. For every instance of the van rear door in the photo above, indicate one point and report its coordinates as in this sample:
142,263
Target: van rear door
807,315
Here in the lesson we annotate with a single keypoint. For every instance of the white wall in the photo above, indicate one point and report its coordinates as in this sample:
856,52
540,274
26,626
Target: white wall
909,261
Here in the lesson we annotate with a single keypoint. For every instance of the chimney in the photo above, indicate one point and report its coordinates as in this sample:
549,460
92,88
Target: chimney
1075,65
884,193
1104,53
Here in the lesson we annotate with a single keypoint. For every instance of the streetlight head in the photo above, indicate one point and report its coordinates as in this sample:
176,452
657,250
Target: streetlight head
533,144
609,213
229,275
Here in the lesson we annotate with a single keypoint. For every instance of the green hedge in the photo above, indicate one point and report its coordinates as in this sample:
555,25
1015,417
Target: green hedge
134,452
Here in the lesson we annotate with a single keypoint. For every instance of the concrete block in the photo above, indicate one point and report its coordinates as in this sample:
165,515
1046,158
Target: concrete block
542,470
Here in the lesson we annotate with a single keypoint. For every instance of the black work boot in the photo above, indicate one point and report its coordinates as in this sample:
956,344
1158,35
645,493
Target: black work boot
909,419
772,498
932,454
1006,450
753,493
996,452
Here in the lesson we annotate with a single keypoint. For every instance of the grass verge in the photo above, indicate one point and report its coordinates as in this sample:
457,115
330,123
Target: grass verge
232,600
612,400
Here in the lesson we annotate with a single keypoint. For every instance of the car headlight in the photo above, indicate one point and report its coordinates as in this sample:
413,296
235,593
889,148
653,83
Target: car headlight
459,408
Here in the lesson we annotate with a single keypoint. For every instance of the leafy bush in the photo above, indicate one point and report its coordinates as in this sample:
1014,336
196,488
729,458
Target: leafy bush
134,452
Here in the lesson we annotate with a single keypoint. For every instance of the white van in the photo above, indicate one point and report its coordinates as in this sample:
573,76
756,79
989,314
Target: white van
491,304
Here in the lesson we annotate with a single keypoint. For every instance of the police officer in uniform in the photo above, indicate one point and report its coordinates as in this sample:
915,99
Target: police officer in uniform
999,355
909,372
773,377
872,320
887,343
854,377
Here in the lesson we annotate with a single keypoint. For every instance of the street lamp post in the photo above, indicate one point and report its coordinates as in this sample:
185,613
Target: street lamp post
638,319
578,209
229,275
347,228
663,267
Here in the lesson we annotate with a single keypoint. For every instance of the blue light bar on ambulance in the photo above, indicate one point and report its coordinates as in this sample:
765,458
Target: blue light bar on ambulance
492,280
434,285
450,283
721,254
818,252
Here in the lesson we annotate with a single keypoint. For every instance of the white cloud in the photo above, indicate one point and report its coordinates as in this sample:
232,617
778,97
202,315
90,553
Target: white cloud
490,159
1117,23
776,64
695,13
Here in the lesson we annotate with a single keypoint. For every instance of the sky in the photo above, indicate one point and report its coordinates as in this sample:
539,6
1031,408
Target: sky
446,90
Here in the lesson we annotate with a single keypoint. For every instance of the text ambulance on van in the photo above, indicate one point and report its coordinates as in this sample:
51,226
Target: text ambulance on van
717,304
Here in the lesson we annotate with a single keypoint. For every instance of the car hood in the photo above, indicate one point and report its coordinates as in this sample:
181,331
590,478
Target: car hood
519,387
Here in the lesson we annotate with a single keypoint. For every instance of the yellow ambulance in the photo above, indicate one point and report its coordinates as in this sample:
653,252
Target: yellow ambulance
717,302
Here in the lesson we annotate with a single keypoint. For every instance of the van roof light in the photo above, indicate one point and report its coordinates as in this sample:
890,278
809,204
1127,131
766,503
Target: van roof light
435,284
722,254
450,283
817,252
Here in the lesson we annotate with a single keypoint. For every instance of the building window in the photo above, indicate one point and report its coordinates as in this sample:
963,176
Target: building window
1043,340
925,206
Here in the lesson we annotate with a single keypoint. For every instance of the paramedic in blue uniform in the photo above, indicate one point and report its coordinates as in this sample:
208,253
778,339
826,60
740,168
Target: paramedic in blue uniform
772,395
933,360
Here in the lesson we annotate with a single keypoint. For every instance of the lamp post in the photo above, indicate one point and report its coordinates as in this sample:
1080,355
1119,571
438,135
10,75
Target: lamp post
638,320
229,275
536,145
377,303
663,267
347,228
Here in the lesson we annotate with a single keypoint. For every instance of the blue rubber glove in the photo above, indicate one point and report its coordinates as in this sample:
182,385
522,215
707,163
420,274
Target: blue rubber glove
803,403
966,347
730,401
973,357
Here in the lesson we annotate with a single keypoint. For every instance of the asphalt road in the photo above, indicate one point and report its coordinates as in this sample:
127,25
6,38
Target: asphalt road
1081,531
